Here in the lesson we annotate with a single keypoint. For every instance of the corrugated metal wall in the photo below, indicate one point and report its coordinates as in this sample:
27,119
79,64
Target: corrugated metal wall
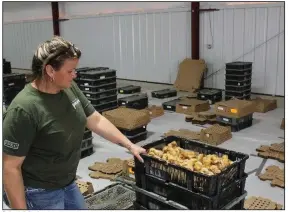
246,34
149,46
144,47
20,40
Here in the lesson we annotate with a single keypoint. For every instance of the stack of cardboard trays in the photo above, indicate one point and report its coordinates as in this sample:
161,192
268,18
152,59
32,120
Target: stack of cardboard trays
131,122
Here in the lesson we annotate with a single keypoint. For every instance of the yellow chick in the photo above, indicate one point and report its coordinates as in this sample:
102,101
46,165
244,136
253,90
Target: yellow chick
200,157
215,169
198,166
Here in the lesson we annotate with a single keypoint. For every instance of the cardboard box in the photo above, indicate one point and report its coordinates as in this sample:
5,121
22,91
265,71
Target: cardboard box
155,111
190,74
188,106
264,105
234,108
215,134
283,124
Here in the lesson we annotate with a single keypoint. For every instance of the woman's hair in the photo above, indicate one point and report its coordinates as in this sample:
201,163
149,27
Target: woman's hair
52,52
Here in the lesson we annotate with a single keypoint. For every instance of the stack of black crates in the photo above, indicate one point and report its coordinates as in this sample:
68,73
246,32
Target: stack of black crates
238,80
86,144
99,86
165,186
6,67
12,85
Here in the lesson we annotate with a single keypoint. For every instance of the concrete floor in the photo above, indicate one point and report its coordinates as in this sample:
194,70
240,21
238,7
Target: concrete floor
265,130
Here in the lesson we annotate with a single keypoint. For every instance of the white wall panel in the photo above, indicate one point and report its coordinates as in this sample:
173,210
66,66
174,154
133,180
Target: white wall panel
75,9
26,11
20,40
245,34
145,46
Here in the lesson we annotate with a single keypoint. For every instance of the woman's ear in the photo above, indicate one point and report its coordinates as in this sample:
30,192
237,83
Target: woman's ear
49,71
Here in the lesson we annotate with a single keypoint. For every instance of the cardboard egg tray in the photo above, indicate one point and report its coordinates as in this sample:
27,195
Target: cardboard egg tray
155,111
260,203
264,105
86,188
108,170
127,118
275,174
275,151
183,133
201,118
215,134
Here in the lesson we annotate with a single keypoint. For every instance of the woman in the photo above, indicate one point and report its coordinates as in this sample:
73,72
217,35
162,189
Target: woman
43,129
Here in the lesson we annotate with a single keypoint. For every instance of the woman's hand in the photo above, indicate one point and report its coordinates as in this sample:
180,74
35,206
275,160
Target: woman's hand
136,151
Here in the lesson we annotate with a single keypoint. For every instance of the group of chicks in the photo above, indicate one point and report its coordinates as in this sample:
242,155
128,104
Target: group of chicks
194,161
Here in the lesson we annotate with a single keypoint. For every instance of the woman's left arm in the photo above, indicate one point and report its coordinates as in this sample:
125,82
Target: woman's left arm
103,127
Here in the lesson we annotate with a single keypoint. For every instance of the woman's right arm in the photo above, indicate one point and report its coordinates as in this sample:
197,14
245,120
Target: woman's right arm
13,181
19,130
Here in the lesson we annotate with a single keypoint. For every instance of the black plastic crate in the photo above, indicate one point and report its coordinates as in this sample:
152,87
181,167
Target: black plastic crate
6,67
86,144
107,109
240,126
100,88
86,152
102,100
171,105
234,121
238,82
241,98
165,93
139,101
97,74
91,68
102,107
238,77
239,65
237,94
211,95
238,88
10,94
137,138
87,134
153,201
190,199
239,72
130,89
133,132
197,182
14,80
137,206
90,82
239,206
98,95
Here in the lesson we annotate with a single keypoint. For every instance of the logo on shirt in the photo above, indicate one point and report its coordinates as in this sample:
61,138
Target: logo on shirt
11,145
75,102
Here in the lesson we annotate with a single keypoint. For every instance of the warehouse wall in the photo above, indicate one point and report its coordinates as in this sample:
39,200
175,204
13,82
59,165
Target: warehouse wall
147,40
26,24
146,46
252,33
